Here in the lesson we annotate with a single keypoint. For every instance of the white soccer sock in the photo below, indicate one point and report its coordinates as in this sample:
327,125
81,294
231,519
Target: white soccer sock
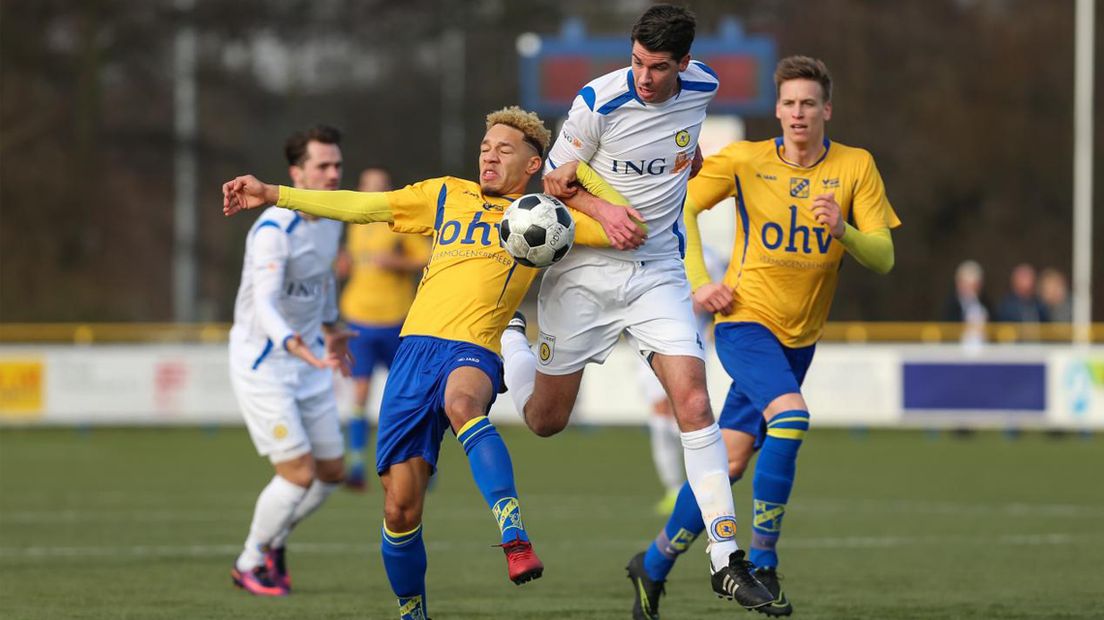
707,471
666,451
519,368
275,506
315,495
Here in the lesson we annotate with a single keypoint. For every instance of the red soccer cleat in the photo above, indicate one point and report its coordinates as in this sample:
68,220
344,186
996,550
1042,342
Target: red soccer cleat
522,562
257,582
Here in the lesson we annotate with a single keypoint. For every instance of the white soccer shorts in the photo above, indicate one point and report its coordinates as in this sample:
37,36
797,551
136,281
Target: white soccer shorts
588,299
289,406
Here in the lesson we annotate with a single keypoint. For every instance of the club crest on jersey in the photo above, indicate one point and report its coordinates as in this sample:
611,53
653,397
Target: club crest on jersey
682,138
280,431
799,188
546,348
723,528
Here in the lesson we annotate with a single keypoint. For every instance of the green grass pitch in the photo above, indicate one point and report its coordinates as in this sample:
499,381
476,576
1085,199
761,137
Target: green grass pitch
144,524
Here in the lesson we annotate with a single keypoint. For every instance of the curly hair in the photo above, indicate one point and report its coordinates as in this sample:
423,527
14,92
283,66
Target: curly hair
528,123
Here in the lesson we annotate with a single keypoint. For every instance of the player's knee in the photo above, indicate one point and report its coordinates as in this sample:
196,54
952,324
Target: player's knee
400,518
694,409
464,407
298,471
736,468
546,421
332,471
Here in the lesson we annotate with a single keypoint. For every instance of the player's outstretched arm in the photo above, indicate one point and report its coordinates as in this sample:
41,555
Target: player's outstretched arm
346,206
246,192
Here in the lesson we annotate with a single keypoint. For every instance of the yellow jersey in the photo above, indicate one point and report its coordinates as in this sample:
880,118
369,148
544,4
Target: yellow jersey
471,287
375,295
784,266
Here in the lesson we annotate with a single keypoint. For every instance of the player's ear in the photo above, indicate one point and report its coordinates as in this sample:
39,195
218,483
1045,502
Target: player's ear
533,165
683,63
827,110
296,174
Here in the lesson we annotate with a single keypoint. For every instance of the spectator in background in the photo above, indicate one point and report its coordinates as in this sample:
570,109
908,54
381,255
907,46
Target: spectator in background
1021,304
967,304
382,269
1054,293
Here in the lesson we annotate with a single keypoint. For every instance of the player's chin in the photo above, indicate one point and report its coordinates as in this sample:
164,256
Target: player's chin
490,187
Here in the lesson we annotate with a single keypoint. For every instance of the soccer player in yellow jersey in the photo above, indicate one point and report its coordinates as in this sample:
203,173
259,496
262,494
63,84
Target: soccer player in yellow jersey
802,201
447,371
382,266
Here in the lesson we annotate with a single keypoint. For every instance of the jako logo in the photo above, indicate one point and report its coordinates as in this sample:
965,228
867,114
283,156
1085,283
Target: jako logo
655,167
773,236
451,229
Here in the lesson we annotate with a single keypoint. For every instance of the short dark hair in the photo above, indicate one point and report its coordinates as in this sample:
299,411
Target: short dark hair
803,68
295,149
665,28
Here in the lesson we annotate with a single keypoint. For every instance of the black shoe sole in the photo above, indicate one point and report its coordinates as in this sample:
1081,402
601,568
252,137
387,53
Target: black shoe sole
770,610
529,576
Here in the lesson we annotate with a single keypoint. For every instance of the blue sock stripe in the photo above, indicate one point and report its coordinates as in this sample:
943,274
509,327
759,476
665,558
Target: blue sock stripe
467,434
403,539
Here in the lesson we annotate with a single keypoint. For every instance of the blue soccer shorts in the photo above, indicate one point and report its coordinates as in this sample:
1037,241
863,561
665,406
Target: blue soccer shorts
374,345
412,419
761,369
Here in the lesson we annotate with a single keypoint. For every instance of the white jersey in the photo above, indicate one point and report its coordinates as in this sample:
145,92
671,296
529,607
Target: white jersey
287,284
643,150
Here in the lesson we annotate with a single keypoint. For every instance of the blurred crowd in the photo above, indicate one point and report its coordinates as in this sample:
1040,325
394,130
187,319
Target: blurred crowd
1032,298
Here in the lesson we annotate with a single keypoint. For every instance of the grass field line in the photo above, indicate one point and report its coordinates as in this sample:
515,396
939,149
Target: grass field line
316,548
564,508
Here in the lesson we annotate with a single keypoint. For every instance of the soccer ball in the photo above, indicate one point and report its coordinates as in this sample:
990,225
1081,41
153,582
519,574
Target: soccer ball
537,230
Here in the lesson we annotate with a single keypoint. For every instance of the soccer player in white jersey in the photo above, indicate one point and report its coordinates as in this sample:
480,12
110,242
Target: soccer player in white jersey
284,348
638,129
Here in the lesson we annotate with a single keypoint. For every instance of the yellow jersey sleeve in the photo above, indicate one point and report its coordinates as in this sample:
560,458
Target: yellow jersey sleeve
870,207
713,183
346,206
415,208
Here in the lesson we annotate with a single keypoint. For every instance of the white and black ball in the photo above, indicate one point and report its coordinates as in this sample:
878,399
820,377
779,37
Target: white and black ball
537,230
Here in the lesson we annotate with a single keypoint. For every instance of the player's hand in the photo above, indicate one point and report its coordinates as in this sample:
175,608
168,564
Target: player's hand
827,211
714,297
696,163
622,224
337,350
247,192
298,348
563,182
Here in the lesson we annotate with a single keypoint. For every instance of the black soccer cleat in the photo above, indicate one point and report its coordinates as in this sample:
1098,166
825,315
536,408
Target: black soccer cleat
517,323
735,582
645,591
780,606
